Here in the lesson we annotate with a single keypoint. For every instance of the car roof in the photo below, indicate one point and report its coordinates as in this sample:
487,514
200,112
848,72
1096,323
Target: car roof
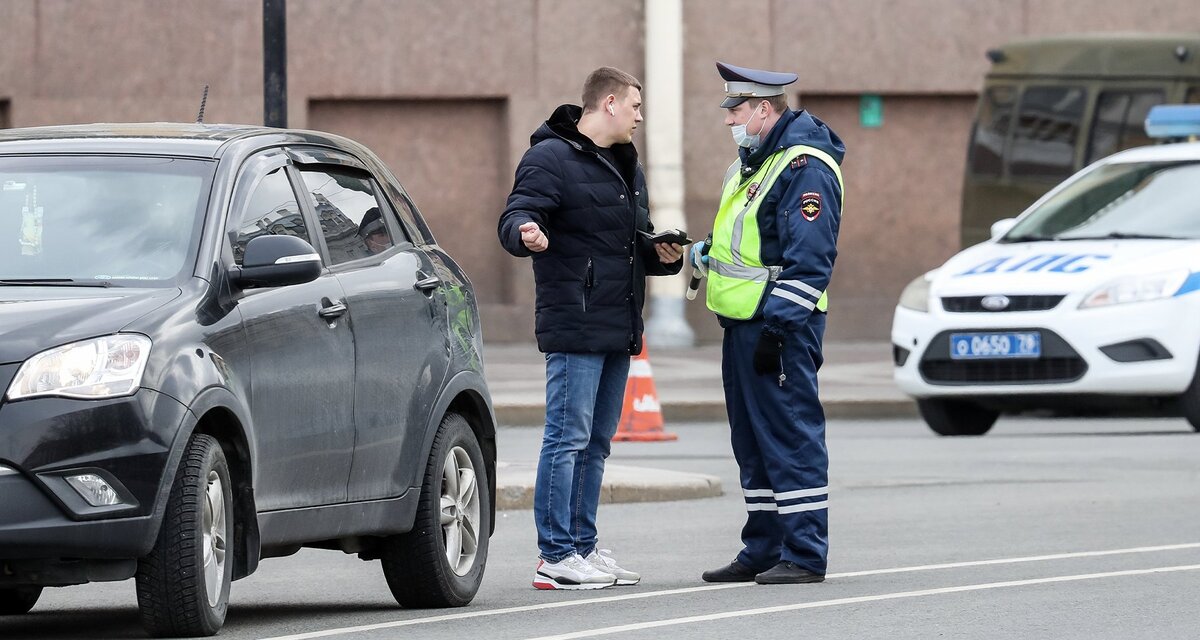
154,138
1136,55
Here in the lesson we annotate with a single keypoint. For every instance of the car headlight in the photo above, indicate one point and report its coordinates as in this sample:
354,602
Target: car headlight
1136,289
105,367
916,295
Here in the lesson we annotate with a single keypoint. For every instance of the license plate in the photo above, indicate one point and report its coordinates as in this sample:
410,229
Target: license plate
1023,344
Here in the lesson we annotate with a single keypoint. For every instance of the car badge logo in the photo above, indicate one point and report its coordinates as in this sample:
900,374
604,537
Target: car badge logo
994,303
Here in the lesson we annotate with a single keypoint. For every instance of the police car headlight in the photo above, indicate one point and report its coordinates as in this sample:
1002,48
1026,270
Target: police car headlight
106,367
1136,289
916,295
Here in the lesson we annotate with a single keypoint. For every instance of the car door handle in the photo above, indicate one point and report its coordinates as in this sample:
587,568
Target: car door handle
427,283
335,310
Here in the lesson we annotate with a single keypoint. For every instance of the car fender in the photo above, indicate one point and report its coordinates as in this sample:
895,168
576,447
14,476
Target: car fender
481,410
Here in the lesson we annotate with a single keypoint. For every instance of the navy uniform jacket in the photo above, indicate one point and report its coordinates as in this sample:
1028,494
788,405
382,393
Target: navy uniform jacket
804,244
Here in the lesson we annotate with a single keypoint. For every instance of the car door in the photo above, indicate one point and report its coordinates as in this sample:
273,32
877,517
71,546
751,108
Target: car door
301,354
397,312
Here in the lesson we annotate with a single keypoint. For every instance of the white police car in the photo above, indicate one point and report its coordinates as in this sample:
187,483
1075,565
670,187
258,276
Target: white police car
1089,301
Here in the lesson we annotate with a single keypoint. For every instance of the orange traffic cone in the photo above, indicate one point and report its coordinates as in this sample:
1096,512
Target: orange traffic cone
641,417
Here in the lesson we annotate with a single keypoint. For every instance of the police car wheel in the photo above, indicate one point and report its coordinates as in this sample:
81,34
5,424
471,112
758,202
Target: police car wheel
19,600
1190,401
956,417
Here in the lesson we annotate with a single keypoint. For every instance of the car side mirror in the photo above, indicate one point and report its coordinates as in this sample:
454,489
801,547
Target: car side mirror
276,261
1001,227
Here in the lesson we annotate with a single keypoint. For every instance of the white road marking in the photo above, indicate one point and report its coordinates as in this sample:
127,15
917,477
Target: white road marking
860,599
716,587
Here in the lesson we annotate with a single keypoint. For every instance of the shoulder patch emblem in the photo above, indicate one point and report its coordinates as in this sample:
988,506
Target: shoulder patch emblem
751,191
810,205
799,162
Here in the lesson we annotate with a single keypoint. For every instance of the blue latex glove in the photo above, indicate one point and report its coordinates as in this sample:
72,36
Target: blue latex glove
699,257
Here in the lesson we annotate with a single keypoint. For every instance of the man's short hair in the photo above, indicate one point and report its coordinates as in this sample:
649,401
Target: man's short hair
604,81
779,103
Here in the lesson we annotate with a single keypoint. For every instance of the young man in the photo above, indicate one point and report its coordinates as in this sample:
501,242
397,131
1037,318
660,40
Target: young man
774,243
576,206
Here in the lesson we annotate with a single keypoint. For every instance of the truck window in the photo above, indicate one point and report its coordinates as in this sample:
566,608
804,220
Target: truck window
995,118
1193,95
1121,121
1046,131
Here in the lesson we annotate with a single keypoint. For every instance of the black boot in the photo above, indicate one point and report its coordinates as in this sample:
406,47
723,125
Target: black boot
732,572
788,573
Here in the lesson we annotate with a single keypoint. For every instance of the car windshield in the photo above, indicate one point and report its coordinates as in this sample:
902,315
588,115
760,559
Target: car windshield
100,220
1153,200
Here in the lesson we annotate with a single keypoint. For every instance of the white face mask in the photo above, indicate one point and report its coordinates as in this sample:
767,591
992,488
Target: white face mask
741,138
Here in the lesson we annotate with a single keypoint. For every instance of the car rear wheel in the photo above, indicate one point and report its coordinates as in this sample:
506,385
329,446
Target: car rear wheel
956,417
19,600
440,562
183,585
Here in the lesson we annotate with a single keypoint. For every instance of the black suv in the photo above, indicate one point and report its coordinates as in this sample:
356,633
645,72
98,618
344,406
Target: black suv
224,343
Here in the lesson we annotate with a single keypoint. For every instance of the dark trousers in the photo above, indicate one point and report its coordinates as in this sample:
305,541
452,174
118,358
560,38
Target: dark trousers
778,434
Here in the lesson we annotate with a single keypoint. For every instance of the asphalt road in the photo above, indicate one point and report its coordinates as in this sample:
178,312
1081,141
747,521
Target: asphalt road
1041,529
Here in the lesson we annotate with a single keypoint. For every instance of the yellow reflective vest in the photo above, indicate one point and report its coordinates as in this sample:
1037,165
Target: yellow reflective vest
737,278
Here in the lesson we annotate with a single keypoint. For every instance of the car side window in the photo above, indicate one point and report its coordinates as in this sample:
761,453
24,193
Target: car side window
1047,128
270,210
350,216
1193,95
1120,121
991,131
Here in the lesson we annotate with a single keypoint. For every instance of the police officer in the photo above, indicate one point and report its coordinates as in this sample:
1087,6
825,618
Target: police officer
772,253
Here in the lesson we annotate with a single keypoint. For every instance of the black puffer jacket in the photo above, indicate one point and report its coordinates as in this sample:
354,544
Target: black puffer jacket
591,281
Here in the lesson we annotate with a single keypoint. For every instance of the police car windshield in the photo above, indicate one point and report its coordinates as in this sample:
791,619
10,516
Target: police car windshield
1146,200
79,221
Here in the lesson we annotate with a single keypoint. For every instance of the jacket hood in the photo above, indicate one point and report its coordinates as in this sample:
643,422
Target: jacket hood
33,319
564,124
794,128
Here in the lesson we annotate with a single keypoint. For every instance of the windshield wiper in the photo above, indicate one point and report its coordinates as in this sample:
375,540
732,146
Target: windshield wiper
1122,235
52,282
1029,237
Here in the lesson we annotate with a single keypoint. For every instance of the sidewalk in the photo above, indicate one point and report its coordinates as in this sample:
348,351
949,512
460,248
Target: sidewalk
856,382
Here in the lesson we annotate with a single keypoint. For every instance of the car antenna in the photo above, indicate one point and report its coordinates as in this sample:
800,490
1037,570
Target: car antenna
203,101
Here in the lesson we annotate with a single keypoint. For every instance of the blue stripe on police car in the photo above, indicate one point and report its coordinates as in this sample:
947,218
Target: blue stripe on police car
1050,263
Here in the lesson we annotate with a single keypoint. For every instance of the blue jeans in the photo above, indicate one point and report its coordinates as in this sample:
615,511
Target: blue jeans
584,394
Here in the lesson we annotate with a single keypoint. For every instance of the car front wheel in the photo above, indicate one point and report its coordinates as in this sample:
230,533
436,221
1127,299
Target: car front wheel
14,602
440,562
1191,401
183,585
956,417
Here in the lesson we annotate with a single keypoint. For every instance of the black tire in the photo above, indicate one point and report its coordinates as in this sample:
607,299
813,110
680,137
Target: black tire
18,600
956,417
415,564
173,581
1190,401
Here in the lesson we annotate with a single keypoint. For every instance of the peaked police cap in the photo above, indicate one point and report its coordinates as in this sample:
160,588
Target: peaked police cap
742,83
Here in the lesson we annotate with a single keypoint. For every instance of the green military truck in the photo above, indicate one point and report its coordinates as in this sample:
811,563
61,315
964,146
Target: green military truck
1051,106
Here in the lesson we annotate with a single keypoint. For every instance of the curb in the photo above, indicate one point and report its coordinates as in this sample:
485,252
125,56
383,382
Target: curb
622,484
534,415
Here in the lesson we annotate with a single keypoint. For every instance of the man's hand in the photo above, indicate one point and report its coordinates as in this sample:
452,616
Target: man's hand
668,253
768,354
534,239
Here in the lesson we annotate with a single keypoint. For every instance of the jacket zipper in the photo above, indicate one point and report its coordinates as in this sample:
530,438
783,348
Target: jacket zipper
588,280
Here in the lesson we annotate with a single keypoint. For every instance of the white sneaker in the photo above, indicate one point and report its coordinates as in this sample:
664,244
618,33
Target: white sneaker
572,572
602,559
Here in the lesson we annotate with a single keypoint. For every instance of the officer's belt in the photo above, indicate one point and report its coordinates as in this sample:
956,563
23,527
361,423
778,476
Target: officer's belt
753,274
